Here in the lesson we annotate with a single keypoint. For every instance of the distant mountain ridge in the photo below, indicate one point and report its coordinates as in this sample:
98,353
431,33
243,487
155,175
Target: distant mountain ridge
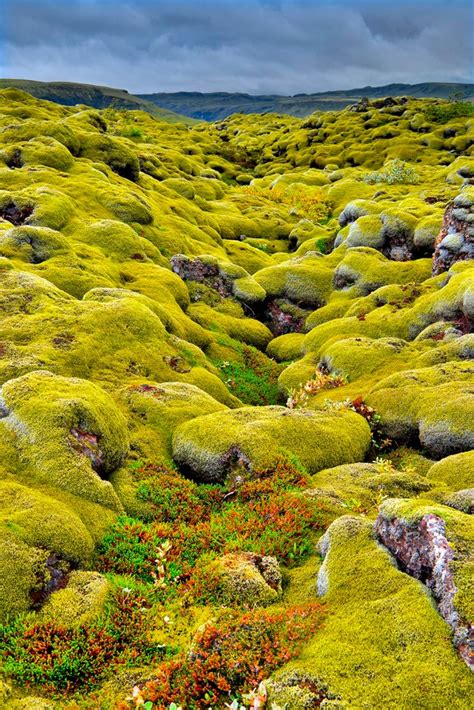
217,105
188,106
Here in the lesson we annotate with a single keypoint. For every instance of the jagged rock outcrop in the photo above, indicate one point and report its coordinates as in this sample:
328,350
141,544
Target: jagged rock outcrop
455,242
422,549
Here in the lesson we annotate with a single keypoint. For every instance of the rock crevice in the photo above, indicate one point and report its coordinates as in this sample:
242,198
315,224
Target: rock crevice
423,551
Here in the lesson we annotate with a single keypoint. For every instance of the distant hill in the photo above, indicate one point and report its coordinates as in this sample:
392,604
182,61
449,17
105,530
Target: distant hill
218,105
188,106
70,94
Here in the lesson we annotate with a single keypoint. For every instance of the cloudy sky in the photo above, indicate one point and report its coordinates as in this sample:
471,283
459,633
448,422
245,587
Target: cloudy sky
254,46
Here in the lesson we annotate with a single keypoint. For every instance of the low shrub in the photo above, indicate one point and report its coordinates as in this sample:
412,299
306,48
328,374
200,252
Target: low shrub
231,657
441,113
394,172
321,381
62,660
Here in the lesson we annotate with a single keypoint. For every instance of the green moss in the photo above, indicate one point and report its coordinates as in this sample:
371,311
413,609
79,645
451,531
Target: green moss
246,330
118,241
364,485
113,152
73,411
211,446
304,280
455,471
246,256
356,357
25,566
33,244
368,270
158,409
286,347
380,619
43,522
365,232
80,602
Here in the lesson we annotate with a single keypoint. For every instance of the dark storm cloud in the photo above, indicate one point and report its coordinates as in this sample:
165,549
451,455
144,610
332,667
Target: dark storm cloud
257,46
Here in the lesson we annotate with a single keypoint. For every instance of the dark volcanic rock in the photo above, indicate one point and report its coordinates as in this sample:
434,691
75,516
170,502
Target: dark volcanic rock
202,272
455,242
423,551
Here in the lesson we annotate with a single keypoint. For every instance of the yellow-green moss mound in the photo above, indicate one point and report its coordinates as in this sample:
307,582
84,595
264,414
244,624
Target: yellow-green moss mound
211,447
165,291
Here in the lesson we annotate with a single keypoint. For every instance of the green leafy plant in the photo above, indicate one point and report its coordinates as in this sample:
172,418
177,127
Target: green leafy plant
255,380
394,172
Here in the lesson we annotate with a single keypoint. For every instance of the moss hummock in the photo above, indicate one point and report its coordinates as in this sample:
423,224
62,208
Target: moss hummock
214,446
383,619
87,435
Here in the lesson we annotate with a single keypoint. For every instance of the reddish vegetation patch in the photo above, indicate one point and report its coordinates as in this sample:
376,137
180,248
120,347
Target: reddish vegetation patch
67,659
230,659
423,551
267,516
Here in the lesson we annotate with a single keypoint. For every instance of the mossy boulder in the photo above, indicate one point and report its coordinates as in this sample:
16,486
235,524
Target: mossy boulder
368,270
366,231
211,447
243,579
70,431
380,618
456,471
286,347
435,544
159,409
462,500
33,244
366,483
355,357
435,405
304,280
22,574
81,601
113,152
41,521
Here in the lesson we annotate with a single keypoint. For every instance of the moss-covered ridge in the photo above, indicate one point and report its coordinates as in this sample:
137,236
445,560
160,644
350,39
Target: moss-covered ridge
210,330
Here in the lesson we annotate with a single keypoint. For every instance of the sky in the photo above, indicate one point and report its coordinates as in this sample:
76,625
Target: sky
252,46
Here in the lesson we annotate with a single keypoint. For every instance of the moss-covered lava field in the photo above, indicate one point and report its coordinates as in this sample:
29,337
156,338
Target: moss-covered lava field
236,408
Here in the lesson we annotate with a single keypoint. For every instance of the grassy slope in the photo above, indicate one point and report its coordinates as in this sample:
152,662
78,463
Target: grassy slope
70,94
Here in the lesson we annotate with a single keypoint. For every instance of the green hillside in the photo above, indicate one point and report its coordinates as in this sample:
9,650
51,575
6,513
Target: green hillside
70,94
218,105
236,408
